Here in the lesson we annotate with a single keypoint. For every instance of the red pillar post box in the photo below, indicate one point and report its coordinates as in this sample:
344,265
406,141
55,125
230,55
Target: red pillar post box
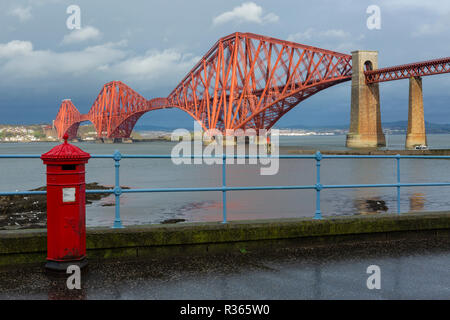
66,206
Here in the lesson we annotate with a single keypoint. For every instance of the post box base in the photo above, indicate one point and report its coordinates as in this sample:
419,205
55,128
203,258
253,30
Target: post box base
63,265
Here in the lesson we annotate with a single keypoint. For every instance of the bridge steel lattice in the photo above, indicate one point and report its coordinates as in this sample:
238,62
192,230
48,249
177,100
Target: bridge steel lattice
406,71
114,113
243,81
251,81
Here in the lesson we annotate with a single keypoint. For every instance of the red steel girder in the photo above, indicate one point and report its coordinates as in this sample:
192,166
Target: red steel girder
418,69
114,112
250,81
115,104
67,120
244,81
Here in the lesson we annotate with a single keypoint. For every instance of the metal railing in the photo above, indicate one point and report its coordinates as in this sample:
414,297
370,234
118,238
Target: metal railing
318,186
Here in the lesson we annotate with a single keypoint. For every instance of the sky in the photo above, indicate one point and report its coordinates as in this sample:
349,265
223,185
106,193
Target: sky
151,45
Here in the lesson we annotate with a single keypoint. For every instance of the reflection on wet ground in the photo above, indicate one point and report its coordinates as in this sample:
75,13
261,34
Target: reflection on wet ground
414,269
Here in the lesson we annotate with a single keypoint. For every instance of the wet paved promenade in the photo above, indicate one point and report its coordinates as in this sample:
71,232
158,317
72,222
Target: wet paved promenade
409,270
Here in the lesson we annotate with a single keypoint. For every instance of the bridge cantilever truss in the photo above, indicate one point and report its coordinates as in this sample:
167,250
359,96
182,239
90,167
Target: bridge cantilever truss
244,81
247,80
117,109
114,113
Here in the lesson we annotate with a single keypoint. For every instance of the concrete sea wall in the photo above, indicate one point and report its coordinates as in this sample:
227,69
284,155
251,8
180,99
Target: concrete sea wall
29,246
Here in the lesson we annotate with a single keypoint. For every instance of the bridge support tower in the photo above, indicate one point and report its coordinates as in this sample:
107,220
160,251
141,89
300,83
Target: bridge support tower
365,117
416,122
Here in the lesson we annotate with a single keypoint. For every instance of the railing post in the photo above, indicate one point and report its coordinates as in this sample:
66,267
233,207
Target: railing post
224,184
117,190
318,214
398,183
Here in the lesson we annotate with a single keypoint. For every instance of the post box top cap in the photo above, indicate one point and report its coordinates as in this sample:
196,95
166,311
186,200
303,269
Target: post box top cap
65,152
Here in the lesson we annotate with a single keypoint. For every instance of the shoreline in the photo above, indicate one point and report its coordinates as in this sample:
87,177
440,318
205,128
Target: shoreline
429,152
286,150
30,211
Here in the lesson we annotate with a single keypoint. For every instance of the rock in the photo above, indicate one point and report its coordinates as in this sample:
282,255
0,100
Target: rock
33,208
167,221
376,205
109,204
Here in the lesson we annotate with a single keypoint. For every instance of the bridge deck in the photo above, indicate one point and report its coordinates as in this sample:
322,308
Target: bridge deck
417,69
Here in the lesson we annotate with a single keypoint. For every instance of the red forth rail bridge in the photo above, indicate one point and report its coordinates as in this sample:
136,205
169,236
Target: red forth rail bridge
250,81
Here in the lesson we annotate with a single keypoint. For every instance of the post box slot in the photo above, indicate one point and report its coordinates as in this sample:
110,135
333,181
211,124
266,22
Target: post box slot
68,167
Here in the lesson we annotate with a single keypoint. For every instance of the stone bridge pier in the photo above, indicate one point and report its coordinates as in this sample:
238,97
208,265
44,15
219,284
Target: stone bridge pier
416,121
365,117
